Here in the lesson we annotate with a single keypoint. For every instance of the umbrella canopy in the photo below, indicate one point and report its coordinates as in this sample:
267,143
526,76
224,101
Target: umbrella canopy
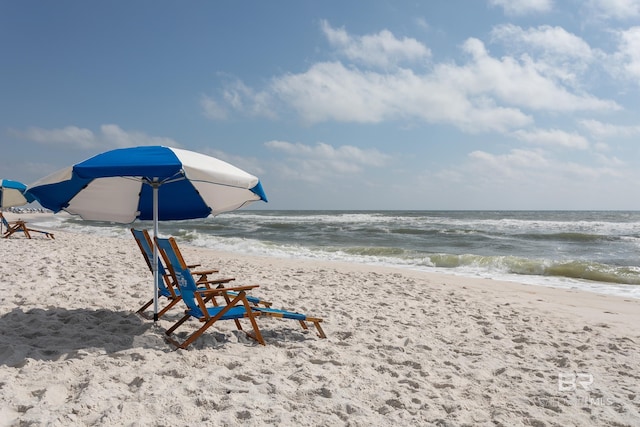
148,183
12,193
118,186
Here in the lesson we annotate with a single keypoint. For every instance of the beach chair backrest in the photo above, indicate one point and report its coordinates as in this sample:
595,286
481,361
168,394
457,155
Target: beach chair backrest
144,243
175,262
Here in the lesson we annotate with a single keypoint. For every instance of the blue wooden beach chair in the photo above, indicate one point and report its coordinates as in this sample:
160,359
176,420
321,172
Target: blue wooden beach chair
198,308
196,299
20,226
166,287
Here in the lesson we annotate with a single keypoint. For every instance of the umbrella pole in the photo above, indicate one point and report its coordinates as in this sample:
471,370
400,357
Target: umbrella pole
155,186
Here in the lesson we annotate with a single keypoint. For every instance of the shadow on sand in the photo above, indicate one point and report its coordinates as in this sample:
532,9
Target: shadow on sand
58,333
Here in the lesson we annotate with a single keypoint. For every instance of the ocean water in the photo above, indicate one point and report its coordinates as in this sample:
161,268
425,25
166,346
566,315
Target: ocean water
596,251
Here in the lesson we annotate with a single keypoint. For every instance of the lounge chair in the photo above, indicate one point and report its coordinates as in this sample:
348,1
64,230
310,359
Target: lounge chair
20,226
196,302
285,314
196,299
166,286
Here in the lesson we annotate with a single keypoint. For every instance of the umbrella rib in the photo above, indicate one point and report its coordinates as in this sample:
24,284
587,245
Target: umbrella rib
222,184
178,177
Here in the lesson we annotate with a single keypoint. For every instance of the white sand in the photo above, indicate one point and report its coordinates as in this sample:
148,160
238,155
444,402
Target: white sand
403,348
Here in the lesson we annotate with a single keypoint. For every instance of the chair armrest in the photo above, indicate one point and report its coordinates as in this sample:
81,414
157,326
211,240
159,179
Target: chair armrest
219,291
204,272
215,281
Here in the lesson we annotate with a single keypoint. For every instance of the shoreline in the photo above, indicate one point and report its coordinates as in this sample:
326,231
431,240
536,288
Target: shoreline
556,282
402,347
572,302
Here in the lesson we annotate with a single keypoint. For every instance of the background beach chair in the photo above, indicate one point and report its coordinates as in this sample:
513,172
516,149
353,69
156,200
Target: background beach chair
166,287
196,299
175,264
20,226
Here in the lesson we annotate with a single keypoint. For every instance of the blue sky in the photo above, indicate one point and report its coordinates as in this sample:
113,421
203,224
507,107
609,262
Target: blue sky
477,104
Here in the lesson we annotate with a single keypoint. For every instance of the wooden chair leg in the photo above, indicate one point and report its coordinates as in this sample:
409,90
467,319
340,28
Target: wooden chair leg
173,302
252,318
316,323
177,324
195,335
319,328
142,309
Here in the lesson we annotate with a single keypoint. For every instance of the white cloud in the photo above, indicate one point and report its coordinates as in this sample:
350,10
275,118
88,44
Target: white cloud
613,9
527,169
512,164
551,41
422,23
114,136
239,97
311,163
601,146
553,138
554,52
71,136
483,94
607,130
580,171
628,55
243,98
532,179
212,109
613,161
520,83
331,91
523,7
381,50
110,136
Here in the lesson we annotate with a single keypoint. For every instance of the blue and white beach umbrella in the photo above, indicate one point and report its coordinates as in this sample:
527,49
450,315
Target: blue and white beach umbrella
148,183
12,193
